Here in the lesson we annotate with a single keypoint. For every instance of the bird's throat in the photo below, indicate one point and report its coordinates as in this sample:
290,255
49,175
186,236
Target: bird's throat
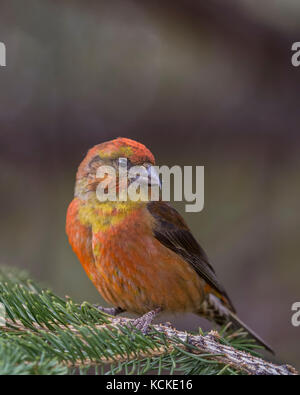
103,215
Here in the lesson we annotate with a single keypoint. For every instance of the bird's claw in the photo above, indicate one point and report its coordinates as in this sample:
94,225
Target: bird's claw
143,323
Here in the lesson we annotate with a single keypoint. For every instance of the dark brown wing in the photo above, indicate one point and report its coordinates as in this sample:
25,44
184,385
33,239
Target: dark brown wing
171,230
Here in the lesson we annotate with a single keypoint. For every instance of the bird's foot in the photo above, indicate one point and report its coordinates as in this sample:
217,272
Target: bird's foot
110,310
142,323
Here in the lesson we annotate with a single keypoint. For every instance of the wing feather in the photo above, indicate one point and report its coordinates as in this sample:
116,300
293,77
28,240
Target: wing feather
172,231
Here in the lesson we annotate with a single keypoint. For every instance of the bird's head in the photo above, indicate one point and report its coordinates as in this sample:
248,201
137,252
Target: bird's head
106,161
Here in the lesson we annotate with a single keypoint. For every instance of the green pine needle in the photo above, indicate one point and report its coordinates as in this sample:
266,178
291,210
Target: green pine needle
46,334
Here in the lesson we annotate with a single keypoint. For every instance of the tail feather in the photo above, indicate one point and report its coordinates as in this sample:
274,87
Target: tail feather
214,310
240,324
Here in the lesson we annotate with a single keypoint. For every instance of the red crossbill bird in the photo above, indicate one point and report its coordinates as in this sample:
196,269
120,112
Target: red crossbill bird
141,255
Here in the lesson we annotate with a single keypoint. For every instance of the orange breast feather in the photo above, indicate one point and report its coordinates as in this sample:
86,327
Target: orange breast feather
137,273
80,238
130,268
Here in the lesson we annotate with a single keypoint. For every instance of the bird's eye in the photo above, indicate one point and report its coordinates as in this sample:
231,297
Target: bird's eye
95,160
123,162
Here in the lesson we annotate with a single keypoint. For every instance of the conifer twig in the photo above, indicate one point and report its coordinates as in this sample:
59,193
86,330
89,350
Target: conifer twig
225,354
199,344
46,334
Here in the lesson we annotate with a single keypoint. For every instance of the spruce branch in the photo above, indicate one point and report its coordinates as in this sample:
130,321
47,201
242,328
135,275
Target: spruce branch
46,334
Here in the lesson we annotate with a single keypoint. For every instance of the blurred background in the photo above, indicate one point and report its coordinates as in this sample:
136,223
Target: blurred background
200,83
